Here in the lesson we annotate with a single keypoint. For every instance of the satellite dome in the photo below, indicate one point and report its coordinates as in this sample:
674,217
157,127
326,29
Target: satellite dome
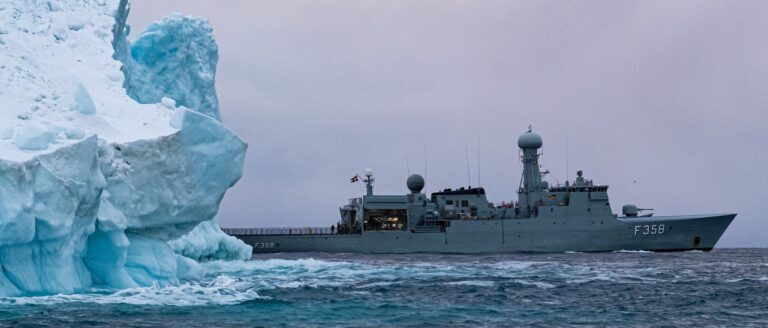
415,183
529,140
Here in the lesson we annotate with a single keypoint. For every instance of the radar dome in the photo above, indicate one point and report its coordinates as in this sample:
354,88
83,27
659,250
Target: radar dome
529,140
415,183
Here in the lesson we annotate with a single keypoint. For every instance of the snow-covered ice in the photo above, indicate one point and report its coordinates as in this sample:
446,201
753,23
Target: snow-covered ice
110,150
206,242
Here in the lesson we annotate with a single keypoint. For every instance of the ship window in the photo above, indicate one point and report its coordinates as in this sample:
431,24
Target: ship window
385,219
464,203
448,202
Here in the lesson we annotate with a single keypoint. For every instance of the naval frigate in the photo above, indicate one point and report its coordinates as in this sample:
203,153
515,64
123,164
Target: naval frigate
576,216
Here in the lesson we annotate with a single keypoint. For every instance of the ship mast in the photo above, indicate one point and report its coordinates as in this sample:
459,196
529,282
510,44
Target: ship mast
529,194
368,182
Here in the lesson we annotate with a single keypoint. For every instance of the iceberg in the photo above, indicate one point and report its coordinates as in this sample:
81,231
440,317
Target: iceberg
175,58
113,156
207,242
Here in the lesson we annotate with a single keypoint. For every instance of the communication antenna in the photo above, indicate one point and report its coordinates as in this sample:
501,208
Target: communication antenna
469,177
566,158
425,169
478,166
407,166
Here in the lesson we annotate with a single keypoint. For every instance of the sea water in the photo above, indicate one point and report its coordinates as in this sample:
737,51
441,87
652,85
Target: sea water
725,287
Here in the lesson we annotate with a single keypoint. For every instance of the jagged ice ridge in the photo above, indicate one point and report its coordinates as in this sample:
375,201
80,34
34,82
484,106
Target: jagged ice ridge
111,152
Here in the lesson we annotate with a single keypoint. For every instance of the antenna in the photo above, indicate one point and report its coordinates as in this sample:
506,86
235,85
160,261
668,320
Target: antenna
407,166
566,157
425,169
469,177
478,166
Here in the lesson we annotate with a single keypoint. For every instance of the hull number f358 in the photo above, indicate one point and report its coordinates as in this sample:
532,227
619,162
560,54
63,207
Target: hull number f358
264,245
649,229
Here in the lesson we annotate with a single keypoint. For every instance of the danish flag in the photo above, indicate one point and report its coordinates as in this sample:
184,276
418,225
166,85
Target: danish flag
354,179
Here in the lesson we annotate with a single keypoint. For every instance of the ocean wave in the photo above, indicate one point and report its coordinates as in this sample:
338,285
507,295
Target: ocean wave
538,284
515,265
477,283
375,284
747,279
631,251
273,265
317,290
223,290
243,281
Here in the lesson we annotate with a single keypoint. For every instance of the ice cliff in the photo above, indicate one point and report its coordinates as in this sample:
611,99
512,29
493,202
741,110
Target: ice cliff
110,150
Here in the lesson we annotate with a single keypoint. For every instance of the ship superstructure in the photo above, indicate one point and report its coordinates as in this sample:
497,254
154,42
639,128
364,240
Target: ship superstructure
575,216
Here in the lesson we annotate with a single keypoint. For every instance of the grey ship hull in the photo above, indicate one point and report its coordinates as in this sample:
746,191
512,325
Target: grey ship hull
542,234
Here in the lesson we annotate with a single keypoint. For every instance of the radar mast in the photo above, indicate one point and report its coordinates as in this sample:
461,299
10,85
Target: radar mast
531,186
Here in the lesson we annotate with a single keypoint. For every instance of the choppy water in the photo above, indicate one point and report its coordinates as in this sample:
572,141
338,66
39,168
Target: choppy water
727,287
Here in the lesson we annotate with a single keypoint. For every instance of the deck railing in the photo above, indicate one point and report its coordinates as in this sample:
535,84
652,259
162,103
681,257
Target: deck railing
280,231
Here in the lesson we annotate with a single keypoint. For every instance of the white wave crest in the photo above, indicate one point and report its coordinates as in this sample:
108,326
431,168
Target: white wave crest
631,251
538,284
515,265
223,290
477,283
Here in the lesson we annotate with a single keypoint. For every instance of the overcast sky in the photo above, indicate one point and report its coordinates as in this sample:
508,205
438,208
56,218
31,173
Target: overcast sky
665,101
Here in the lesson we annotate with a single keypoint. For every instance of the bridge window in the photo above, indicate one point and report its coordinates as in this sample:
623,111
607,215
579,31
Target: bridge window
464,203
385,219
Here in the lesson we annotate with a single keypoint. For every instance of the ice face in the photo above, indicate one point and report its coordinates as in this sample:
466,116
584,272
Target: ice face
174,58
208,242
96,188
83,102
